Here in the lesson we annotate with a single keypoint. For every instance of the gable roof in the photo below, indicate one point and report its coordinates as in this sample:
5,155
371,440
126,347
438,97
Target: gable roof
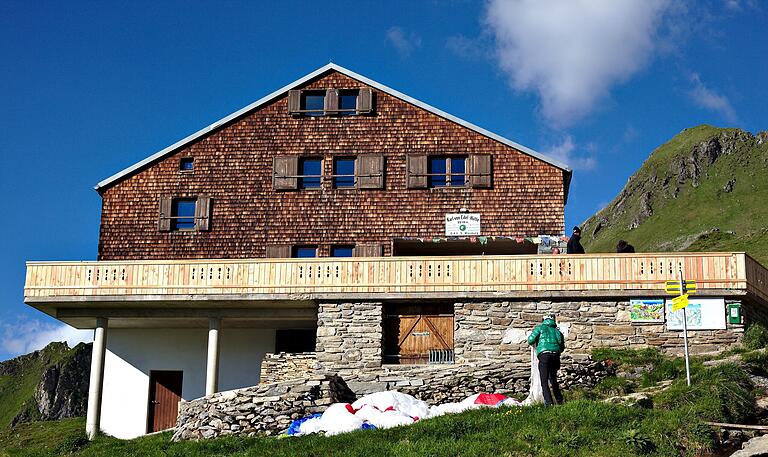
101,186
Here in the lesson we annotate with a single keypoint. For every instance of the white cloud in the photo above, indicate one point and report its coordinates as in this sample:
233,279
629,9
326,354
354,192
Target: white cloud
404,43
705,97
564,153
27,335
572,52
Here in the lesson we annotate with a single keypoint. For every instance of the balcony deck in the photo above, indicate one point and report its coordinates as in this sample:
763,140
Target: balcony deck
641,274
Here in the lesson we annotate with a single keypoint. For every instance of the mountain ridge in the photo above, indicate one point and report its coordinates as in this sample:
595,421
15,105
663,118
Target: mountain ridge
704,190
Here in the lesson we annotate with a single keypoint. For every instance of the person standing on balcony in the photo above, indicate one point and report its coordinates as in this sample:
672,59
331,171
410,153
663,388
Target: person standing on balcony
622,247
574,244
550,343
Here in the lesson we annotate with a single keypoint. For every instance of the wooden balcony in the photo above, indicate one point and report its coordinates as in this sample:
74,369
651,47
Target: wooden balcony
642,274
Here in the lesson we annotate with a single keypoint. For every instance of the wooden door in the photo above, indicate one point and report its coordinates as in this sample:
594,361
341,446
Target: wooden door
413,331
164,398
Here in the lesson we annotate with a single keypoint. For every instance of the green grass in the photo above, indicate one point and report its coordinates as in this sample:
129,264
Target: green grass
684,222
578,428
670,425
661,368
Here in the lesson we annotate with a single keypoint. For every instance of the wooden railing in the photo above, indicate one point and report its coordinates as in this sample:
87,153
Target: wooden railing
591,272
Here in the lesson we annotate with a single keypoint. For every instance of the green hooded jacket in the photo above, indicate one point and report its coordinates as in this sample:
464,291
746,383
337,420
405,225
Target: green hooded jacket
547,337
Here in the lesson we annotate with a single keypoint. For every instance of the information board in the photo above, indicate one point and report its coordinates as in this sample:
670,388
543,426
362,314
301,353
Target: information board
701,314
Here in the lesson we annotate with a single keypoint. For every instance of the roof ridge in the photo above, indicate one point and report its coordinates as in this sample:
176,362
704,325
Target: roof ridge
329,66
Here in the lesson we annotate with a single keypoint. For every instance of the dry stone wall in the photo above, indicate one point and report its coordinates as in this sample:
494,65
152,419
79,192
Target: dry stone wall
268,409
284,366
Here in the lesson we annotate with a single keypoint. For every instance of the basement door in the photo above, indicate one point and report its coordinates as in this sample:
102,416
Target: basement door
164,398
418,334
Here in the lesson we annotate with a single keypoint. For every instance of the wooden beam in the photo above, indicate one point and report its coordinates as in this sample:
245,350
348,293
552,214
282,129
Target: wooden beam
249,313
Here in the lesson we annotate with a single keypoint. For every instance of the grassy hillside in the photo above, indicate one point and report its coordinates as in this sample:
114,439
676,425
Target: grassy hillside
705,189
669,425
20,377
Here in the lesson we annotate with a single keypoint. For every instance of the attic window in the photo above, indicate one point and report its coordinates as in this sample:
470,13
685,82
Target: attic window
186,164
330,102
313,103
348,102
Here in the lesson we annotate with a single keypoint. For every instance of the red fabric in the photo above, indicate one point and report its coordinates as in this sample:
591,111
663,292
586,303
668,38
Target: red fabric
389,408
489,399
350,409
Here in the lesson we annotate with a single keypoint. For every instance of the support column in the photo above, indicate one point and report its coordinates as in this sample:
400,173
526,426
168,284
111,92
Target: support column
97,378
212,372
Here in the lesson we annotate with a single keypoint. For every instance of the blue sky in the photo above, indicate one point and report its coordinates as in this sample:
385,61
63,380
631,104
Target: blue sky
88,88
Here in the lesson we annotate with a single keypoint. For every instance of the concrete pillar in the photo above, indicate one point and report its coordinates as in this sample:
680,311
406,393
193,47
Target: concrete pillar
212,371
97,378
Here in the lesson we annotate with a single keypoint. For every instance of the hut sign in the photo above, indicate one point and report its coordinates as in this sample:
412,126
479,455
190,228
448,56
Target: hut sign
462,224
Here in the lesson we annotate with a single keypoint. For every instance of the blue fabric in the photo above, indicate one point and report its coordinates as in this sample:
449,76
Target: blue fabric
368,426
293,429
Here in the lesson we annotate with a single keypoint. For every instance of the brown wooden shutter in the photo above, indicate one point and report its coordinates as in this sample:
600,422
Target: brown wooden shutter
203,213
370,171
367,250
417,171
365,101
294,101
284,169
164,221
331,103
281,251
480,170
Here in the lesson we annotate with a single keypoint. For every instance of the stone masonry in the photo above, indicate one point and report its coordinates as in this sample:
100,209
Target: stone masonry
349,337
268,409
491,356
283,366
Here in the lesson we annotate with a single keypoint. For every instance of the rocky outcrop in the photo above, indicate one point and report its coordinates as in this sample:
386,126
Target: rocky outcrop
62,390
686,161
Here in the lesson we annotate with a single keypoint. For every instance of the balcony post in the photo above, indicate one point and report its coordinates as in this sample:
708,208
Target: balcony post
97,378
212,368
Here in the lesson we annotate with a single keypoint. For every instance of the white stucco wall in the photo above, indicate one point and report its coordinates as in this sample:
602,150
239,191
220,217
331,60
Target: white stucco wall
133,353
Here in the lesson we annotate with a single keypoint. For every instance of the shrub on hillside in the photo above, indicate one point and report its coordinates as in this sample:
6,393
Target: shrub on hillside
755,337
721,393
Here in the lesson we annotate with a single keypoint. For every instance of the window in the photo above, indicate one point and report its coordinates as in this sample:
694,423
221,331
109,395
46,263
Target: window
342,251
303,252
295,340
446,171
343,172
331,101
183,214
348,102
186,164
310,172
313,103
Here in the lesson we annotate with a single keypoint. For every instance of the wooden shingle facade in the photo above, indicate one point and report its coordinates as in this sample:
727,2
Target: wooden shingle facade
249,203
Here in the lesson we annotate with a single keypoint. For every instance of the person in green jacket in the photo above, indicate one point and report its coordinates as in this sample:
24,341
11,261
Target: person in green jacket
549,344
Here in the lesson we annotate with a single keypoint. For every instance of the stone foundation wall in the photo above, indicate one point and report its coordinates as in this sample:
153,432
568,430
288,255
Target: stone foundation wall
268,409
349,336
284,366
497,329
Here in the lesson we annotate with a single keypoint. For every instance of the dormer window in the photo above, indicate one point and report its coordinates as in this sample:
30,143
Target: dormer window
330,102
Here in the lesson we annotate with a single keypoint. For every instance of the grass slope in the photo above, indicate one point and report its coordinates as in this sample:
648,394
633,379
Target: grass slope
672,426
686,222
